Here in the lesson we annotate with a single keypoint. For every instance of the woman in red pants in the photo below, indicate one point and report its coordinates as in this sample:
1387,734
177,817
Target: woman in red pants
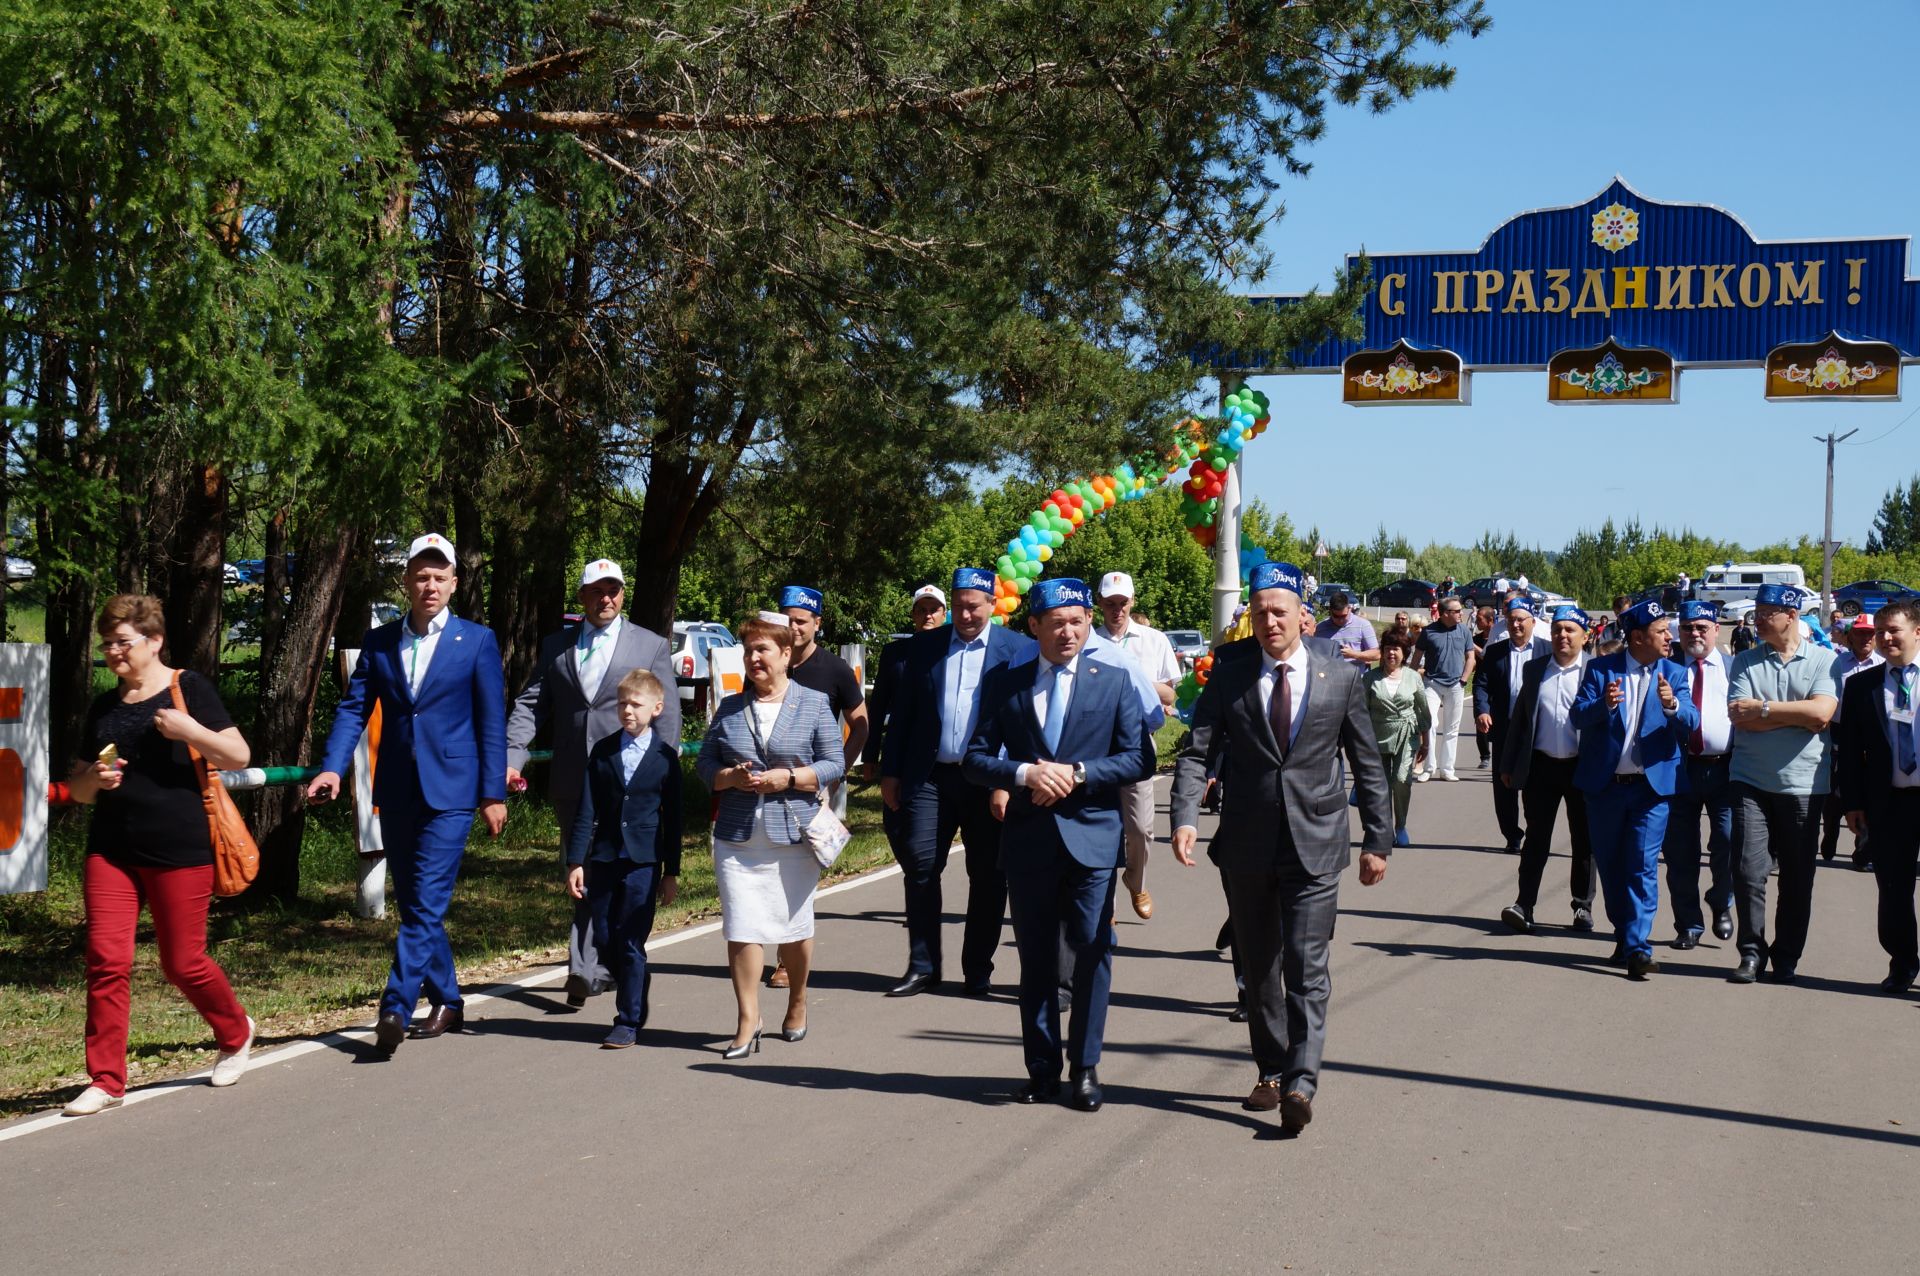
149,841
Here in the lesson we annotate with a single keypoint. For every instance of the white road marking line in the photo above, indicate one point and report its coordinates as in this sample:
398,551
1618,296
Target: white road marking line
288,1053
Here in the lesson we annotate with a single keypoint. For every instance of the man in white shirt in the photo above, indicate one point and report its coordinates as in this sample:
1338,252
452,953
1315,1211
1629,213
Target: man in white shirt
1856,639
1708,789
1540,750
573,698
1150,651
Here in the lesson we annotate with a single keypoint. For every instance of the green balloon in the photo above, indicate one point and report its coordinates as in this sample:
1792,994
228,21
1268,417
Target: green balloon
1022,584
1055,539
1004,564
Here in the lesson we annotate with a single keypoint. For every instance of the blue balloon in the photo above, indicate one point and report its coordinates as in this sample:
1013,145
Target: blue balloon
1028,535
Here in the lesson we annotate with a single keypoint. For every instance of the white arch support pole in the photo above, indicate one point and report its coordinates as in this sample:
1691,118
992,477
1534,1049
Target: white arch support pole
1226,542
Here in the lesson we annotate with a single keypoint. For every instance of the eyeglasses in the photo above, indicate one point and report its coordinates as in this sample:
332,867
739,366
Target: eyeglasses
111,645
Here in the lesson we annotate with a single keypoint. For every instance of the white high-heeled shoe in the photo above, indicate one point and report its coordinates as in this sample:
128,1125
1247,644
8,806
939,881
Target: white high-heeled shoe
91,1100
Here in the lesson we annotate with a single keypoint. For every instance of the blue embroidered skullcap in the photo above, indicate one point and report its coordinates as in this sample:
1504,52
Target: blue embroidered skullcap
1521,603
1640,615
1567,611
1062,591
1273,575
1780,596
1699,611
973,578
801,596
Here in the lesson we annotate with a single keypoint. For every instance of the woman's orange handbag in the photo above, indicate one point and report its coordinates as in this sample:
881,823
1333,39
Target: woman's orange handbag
236,858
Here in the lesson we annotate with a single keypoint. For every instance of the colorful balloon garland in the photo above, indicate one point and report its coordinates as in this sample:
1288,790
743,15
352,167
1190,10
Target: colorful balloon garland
1203,449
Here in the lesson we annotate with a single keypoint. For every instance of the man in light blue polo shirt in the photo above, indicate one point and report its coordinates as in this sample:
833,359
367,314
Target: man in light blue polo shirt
1780,697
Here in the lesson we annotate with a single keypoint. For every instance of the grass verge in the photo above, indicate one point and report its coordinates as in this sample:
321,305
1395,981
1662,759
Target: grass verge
312,966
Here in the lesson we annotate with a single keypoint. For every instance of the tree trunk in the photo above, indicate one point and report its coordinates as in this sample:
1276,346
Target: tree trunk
288,689
273,598
682,494
195,589
70,594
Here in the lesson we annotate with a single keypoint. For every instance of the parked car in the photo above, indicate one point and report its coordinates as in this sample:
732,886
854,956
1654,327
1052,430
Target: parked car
1188,645
692,640
19,568
1318,599
1409,592
1862,595
229,575
1482,592
253,571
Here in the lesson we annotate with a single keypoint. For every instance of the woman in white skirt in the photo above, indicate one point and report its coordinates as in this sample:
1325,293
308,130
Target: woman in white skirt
770,752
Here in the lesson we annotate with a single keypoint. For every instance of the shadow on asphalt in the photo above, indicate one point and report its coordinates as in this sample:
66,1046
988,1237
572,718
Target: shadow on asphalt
1486,925
979,1091
1701,1111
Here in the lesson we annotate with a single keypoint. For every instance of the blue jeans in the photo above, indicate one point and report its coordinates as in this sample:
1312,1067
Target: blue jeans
1628,822
621,896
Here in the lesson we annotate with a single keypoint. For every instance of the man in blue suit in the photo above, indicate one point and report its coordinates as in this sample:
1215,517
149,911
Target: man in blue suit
1061,734
443,753
1635,715
932,714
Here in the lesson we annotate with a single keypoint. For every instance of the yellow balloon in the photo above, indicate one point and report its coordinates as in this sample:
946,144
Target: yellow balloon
1045,552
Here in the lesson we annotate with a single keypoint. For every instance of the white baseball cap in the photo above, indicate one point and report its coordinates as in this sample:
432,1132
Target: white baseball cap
601,569
928,591
1116,585
432,543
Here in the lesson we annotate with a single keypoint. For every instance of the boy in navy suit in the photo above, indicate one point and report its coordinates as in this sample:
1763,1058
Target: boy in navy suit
623,852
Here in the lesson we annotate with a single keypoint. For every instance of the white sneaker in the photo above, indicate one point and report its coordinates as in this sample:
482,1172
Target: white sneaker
1450,777
231,1063
91,1100
1419,777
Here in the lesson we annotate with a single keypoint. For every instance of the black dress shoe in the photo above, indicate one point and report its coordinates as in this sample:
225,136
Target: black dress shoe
1686,939
1514,845
1066,1000
1296,1112
1640,965
1038,1090
1238,1014
1723,924
578,990
1583,919
977,987
1517,919
388,1034
1897,982
1747,971
1084,1091
443,1020
913,985
1783,975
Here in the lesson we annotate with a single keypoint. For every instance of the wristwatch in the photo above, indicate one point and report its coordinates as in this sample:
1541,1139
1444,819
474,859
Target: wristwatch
1766,707
1079,773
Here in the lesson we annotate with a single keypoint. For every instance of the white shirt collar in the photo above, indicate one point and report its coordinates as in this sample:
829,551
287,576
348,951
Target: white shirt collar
611,626
956,643
1297,662
638,742
434,626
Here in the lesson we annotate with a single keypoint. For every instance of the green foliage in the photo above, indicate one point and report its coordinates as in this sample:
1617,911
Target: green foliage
1896,527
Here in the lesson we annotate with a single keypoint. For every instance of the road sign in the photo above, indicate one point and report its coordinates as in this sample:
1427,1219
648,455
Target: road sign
1321,550
1394,566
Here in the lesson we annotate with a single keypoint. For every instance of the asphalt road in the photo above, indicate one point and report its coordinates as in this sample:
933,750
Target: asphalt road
1491,1103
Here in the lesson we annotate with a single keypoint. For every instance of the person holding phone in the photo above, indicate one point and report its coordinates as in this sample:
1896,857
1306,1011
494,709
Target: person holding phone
770,753
149,842
443,754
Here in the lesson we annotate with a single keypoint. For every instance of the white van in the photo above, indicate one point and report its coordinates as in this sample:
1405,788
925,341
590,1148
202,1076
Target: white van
1739,582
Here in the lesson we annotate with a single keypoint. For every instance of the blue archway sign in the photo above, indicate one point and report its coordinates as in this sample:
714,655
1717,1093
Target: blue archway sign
1687,279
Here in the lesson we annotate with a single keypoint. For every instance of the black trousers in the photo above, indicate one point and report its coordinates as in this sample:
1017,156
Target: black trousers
1895,828
1769,829
1506,801
922,835
1549,785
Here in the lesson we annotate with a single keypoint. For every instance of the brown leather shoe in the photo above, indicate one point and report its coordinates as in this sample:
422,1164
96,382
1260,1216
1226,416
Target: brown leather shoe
1265,1097
779,978
1296,1112
1143,904
388,1033
443,1020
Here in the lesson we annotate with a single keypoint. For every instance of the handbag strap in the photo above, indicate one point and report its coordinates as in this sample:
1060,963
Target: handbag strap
200,766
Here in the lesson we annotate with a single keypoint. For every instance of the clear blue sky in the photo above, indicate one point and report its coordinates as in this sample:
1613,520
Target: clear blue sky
1798,119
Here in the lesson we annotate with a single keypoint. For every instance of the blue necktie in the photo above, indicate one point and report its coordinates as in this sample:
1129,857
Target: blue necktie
1903,731
1056,711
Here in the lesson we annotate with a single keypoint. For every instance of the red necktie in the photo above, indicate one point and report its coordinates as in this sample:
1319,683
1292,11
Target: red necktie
1699,692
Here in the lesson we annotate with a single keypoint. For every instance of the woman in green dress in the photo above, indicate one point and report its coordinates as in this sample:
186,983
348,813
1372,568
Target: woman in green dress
1397,699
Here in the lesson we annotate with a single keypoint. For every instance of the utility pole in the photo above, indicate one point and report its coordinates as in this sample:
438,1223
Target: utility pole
1826,539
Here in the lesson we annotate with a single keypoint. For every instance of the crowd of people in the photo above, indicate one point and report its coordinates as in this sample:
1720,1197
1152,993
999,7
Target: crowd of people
1036,750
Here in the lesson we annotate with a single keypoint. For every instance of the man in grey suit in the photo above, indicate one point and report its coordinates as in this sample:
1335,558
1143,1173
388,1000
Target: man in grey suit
574,696
1275,728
